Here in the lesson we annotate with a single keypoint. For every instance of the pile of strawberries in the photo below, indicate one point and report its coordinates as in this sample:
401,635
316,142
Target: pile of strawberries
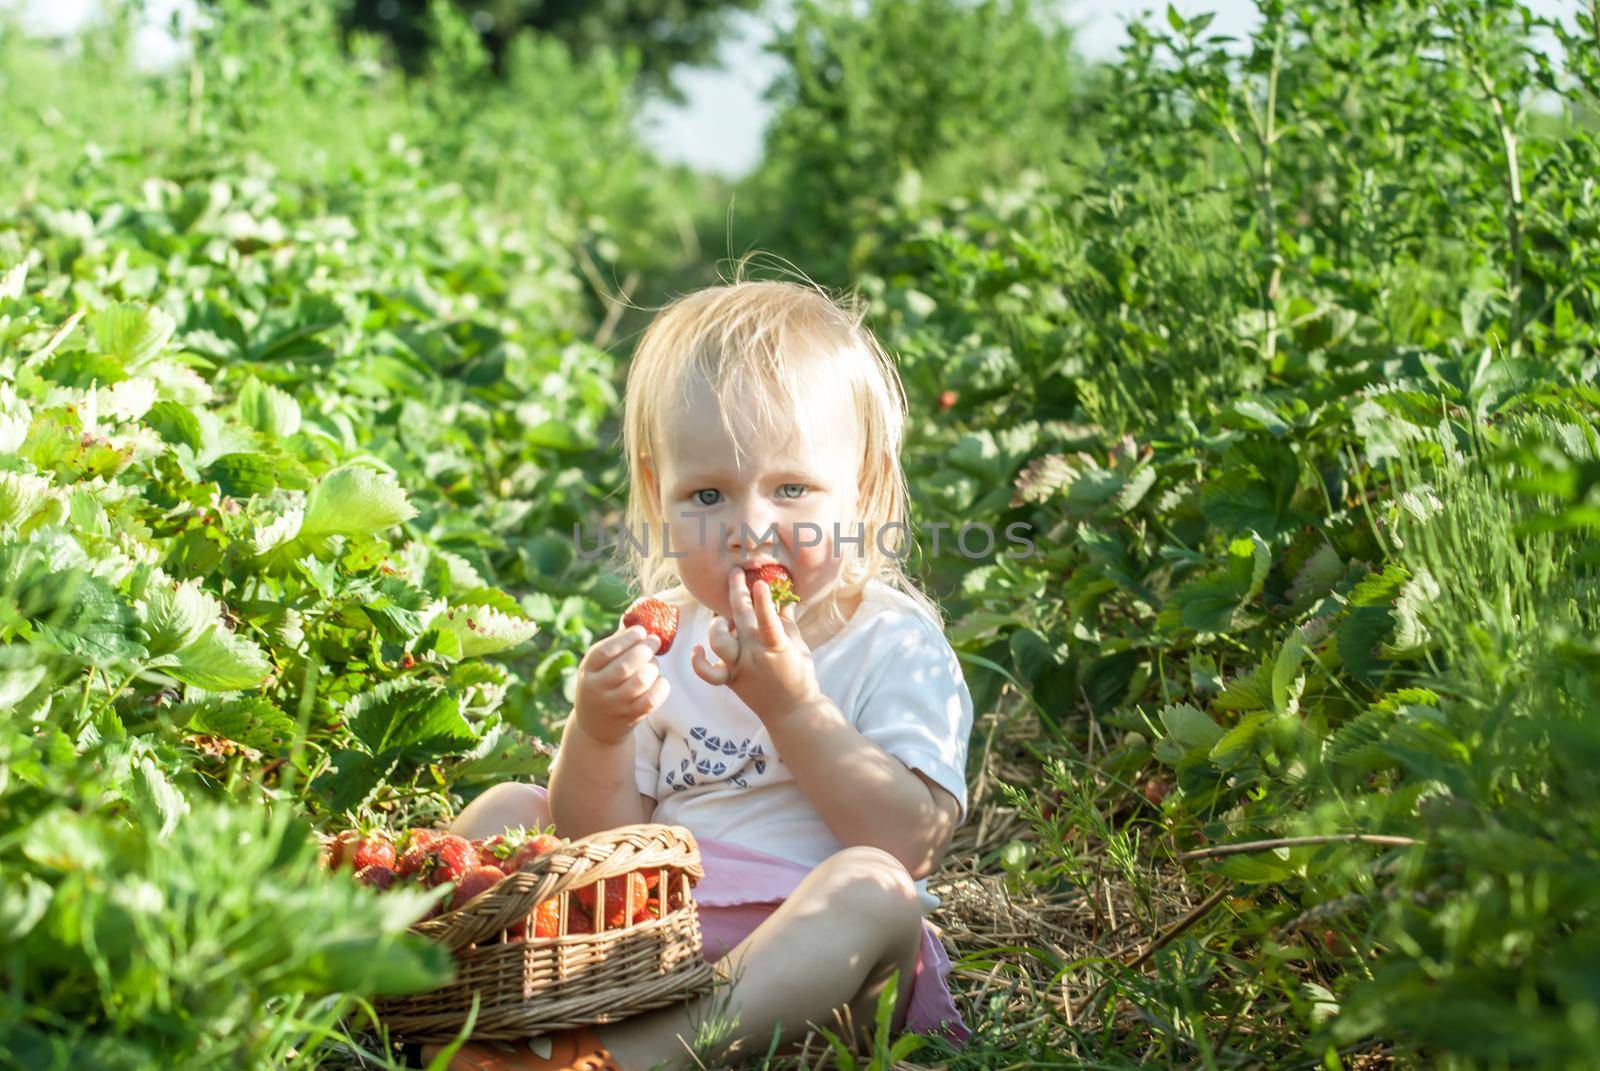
427,858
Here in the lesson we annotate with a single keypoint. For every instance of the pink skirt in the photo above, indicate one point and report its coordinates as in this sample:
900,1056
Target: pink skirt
742,887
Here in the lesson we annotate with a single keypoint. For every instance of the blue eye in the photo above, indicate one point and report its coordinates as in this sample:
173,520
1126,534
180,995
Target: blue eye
797,494
705,491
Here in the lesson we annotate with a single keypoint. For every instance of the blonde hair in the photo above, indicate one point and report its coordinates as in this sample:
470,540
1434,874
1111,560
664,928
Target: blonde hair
773,346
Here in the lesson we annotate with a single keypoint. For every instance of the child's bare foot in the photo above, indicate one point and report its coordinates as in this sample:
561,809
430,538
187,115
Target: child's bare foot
565,1050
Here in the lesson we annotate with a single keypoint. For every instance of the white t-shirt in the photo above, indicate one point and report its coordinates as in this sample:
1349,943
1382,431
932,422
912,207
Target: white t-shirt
709,763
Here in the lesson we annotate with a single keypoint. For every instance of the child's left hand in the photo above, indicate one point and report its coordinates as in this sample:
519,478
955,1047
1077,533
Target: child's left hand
764,660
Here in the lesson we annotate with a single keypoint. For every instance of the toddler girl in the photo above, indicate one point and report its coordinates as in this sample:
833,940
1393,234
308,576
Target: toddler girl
816,752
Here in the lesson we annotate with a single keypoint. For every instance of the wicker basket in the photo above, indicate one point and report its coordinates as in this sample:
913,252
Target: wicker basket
540,984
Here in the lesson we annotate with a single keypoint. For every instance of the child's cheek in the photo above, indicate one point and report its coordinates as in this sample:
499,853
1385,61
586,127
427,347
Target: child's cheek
698,560
821,564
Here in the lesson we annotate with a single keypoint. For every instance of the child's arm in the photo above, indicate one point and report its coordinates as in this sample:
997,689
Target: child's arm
592,785
863,794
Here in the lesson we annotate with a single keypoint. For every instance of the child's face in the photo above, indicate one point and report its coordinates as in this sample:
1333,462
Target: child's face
802,491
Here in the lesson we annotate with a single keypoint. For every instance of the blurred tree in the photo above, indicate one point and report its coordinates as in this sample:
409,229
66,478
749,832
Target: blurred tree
666,32
948,94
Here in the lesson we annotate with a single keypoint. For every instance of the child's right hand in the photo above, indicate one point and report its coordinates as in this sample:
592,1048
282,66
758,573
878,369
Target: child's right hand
619,684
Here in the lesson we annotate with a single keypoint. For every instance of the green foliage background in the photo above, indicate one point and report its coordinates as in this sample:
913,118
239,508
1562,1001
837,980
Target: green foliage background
1285,349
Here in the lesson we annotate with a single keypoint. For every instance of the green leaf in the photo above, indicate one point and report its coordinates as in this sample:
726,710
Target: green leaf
358,962
1249,559
1380,589
1239,742
394,607
1207,604
17,682
353,776
221,661
478,630
1411,636
1257,868
132,333
425,718
1190,727
1248,691
1358,639
1285,668
21,496
1255,491
97,626
176,615
1255,411
353,501
1358,743
252,721
1029,654
1316,576
161,795
268,409
281,530
243,474
65,840
24,899
176,424
1042,478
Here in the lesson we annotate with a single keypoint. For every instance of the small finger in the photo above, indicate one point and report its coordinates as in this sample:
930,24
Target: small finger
768,625
650,700
640,682
625,665
717,674
602,653
739,604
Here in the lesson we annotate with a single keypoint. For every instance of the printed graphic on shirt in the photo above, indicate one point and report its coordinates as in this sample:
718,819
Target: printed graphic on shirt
716,759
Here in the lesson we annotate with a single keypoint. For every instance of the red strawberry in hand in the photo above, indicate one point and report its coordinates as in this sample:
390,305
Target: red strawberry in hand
657,618
778,579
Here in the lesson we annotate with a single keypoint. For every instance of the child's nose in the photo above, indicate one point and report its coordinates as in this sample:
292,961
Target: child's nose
750,527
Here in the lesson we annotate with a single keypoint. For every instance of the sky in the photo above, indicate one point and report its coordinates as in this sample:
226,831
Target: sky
719,127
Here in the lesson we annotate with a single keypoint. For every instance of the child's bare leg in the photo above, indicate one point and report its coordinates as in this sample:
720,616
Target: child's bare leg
502,807
833,943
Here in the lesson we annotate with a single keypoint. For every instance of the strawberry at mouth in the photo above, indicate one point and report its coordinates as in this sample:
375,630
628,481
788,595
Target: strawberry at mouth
779,581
